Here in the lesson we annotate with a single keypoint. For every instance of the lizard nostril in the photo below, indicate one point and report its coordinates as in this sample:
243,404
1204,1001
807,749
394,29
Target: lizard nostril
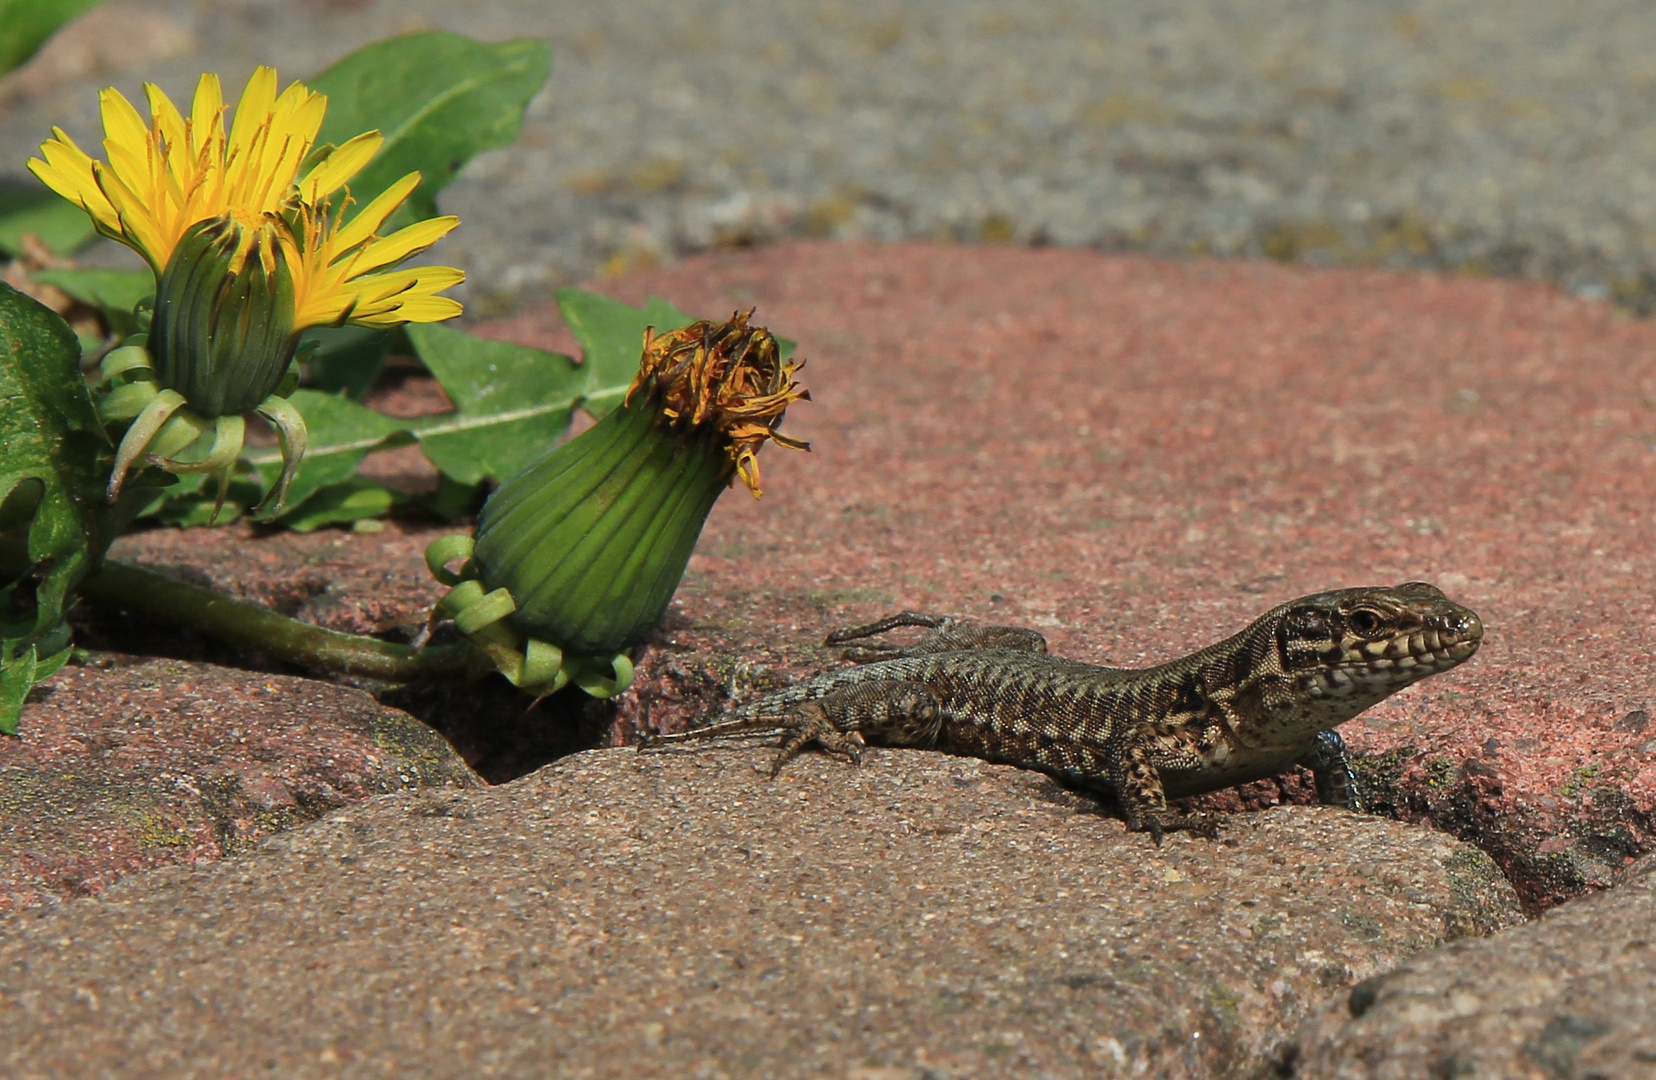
1464,624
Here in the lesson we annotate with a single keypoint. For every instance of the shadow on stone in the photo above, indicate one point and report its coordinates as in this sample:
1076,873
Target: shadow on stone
489,722
493,726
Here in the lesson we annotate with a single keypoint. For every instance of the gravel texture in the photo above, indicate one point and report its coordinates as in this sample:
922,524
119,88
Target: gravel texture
1570,996
1488,137
626,915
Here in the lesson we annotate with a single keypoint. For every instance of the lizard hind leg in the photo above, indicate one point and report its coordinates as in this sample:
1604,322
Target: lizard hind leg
814,726
943,634
890,712
871,651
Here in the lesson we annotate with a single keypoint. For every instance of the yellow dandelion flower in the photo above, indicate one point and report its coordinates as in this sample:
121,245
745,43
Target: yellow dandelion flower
179,171
249,250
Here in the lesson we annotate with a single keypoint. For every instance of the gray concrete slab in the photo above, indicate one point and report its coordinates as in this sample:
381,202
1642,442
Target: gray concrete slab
1491,137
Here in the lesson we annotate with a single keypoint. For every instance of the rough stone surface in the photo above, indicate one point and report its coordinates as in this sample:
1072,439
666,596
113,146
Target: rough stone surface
1572,995
357,583
127,764
1504,136
1136,457
623,915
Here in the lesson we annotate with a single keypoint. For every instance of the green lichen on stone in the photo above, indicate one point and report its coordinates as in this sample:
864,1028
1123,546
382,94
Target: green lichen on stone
152,830
1441,773
36,797
1579,780
1403,238
1380,776
19,790
278,819
420,756
1484,900
1290,241
1225,1003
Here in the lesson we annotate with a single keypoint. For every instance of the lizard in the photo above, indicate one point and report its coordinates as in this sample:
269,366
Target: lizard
1242,709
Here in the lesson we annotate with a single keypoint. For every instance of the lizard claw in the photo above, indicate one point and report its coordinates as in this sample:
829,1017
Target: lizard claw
1159,825
812,725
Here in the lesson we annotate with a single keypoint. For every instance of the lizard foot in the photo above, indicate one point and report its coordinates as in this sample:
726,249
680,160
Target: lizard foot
814,726
1159,824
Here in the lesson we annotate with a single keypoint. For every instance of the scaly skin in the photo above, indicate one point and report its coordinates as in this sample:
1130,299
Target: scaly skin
1245,708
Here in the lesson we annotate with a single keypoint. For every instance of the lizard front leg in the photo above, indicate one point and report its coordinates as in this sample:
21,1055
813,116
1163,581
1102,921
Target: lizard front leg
1141,752
1330,765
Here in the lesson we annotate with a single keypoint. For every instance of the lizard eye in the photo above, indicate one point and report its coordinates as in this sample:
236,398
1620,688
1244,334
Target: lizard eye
1366,621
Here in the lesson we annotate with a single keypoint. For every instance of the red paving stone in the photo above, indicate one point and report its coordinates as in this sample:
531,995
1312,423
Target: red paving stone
1136,456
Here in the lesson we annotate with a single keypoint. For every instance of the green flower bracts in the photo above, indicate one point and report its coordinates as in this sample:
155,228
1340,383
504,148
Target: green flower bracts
576,558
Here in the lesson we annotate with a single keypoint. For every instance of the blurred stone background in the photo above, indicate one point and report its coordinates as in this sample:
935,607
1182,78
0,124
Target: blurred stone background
1510,137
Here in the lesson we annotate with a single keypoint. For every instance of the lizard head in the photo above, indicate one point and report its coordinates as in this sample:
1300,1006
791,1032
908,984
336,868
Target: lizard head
1363,644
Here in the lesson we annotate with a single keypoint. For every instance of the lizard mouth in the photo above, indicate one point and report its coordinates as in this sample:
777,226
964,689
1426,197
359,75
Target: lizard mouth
1424,652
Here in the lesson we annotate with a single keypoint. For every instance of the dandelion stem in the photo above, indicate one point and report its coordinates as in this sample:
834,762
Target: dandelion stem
258,629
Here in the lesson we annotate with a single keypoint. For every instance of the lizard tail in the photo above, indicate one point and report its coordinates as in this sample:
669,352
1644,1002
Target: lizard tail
746,727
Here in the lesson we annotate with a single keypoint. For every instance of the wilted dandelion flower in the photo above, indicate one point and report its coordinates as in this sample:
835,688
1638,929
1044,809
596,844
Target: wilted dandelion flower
578,555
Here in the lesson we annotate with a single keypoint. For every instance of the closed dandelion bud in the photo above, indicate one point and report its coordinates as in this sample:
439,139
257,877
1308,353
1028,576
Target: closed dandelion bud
583,550
223,334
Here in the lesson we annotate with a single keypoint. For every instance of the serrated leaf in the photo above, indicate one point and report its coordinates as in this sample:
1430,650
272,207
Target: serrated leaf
26,24
438,98
339,434
512,402
28,206
113,292
338,504
611,335
52,461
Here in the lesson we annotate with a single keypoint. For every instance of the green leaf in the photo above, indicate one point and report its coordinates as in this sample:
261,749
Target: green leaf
438,99
347,359
19,671
338,504
26,24
52,477
192,501
339,434
512,402
611,335
113,292
452,499
28,206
